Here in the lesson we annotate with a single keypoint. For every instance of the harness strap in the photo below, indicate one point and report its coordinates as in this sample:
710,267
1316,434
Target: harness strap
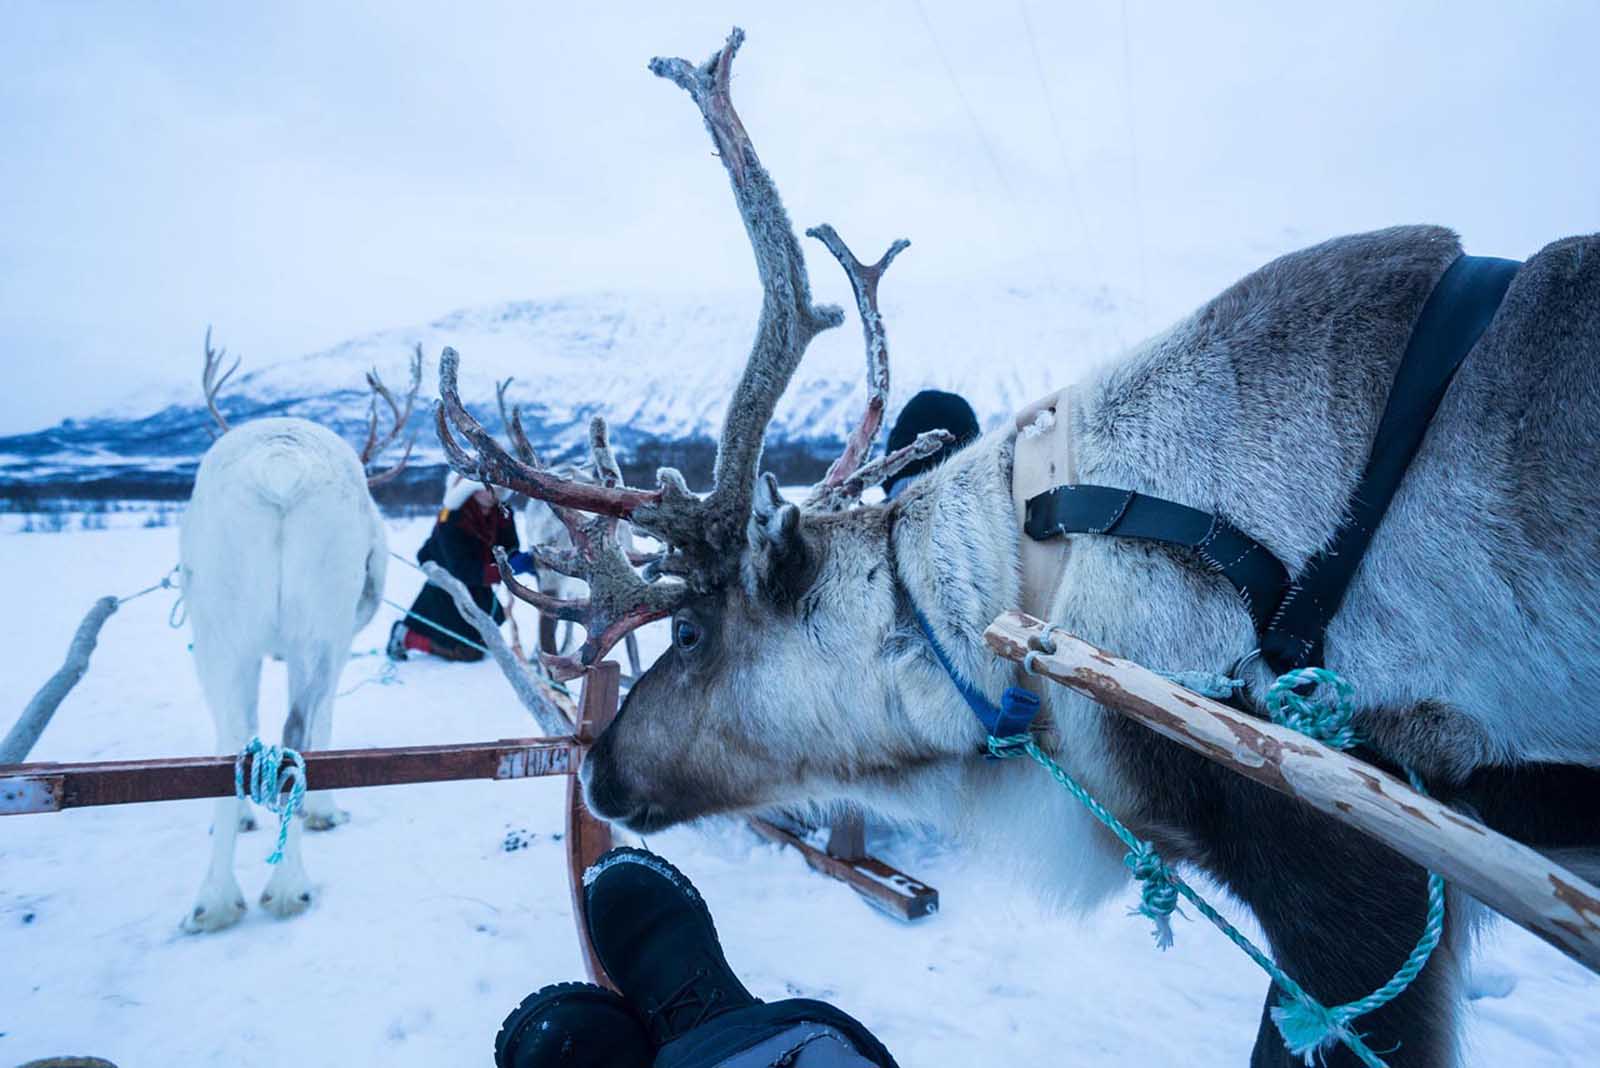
1455,316
1017,706
1260,577
1291,616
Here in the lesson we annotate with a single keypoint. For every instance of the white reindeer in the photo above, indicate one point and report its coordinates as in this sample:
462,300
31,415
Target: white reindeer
283,554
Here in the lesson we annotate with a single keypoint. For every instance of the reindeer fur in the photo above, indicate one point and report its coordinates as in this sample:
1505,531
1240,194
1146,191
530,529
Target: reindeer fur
1472,630
283,555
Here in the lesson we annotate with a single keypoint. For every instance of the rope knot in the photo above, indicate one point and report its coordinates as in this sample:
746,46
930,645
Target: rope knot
1308,1026
1329,719
272,772
1158,894
1009,746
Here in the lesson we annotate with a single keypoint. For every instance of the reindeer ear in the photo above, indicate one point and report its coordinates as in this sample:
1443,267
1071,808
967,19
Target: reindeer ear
777,562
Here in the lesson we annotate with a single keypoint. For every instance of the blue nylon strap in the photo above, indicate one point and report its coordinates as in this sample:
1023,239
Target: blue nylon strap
1017,706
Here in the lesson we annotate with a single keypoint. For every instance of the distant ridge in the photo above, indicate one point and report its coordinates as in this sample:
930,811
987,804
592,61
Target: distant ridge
660,369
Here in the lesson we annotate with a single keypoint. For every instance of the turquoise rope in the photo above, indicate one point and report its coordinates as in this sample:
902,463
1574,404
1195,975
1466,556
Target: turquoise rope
408,613
547,680
1304,1022
271,770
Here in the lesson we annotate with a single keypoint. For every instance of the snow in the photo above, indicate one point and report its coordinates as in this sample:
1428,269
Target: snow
441,905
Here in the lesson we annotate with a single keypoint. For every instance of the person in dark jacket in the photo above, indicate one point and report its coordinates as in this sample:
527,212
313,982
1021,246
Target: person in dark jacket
471,524
932,409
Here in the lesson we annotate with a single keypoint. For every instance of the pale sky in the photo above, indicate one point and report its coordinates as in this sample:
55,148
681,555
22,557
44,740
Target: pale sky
301,173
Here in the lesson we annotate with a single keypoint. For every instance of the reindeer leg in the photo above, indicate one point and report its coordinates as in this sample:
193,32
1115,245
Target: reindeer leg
231,683
1341,913
320,811
312,675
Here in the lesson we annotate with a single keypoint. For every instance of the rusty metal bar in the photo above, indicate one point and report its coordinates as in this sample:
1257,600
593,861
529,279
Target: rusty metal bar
589,837
881,886
26,788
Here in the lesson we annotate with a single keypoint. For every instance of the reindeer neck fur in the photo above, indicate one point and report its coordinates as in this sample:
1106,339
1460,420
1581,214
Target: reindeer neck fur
953,548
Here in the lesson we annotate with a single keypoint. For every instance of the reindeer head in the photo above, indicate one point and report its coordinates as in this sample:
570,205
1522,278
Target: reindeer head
213,378
780,611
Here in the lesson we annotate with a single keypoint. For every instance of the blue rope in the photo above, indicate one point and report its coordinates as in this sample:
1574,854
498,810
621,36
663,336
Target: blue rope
271,771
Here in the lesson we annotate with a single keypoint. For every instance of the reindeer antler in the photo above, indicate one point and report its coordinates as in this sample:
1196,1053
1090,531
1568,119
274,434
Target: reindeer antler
850,474
703,531
399,416
619,599
703,535
211,382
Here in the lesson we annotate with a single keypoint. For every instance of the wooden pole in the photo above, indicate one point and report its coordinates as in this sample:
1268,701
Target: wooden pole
1514,880
537,698
19,740
27,788
588,837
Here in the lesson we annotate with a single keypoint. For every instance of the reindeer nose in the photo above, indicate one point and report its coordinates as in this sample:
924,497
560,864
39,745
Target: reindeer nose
604,791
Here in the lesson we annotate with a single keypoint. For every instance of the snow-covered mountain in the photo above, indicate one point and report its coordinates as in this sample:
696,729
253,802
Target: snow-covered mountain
659,368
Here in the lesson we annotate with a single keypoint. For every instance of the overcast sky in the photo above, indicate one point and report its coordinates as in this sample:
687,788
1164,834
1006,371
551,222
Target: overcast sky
300,173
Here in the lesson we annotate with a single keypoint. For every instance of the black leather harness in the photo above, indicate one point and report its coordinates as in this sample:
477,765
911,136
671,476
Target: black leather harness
1291,613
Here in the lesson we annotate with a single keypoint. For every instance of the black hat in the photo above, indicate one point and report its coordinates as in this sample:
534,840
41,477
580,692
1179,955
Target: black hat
932,409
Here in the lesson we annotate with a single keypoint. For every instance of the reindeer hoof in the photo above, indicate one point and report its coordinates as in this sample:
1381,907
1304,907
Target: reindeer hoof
326,820
210,916
284,904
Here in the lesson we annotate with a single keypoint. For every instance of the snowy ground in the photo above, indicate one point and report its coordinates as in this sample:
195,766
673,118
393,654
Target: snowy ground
428,928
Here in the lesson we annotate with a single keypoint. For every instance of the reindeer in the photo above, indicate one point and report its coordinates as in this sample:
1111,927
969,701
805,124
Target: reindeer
283,554
799,670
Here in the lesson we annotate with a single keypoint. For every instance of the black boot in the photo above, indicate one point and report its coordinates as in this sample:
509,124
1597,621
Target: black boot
396,649
655,939
573,1025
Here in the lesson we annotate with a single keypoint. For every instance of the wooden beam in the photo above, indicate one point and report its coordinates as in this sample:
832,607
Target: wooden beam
588,837
47,787
1514,880
883,887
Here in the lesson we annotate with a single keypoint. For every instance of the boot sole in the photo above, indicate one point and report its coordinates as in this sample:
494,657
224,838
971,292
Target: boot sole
529,1006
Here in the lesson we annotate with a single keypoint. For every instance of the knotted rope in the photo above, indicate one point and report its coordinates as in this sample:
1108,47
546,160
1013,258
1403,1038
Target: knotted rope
272,770
169,581
1305,1024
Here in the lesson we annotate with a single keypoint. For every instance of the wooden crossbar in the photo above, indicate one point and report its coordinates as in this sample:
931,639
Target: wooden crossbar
1516,881
27,788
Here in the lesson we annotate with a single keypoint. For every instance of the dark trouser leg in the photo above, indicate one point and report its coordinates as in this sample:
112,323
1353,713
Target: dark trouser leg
805,1045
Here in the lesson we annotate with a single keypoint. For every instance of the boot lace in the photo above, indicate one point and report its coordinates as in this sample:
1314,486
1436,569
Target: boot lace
686,998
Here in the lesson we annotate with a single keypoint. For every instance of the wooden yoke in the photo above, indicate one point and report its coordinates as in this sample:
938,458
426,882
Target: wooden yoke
588,838
1521,884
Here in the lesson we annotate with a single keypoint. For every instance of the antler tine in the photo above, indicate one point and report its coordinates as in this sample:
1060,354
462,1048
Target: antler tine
374,445
512,420
211,383
864,284
789,320
393,473
619,600
846,494
399,417
494,465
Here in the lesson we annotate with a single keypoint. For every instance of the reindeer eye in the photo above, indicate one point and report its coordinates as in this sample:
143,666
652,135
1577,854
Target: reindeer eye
685,633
